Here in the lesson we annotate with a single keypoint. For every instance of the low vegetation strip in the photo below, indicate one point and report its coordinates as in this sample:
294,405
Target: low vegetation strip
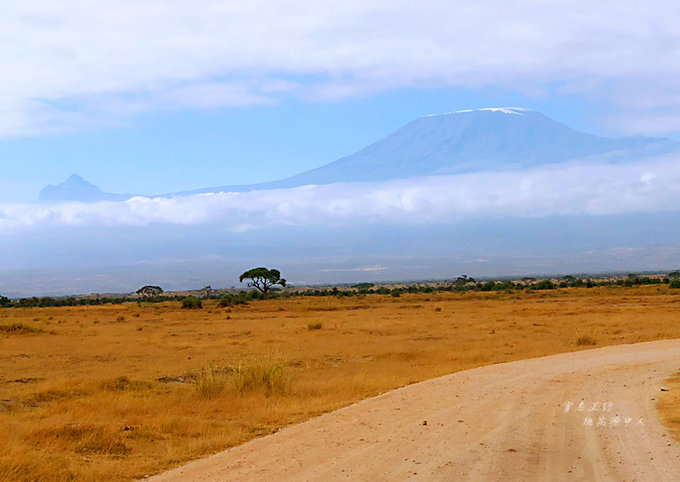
231,297
126,390
19,329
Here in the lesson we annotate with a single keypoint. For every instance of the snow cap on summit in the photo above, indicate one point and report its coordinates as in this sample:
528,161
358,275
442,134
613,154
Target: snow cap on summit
504,110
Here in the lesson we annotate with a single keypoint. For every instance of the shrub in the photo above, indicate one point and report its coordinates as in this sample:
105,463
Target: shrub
192,303
251,295
545,284
674,284
238,299
586,340
314,326
488,286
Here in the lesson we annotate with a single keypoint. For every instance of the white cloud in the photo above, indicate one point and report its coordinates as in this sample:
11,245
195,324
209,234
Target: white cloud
566,189
70,63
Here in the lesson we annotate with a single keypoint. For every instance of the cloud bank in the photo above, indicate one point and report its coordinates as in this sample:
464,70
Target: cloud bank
566,189
70,63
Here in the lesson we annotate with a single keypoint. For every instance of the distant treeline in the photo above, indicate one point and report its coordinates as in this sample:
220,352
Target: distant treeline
469,284
47,301
224,300
461,284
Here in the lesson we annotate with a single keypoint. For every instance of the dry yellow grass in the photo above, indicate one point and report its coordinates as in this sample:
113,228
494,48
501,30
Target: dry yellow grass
118,392
668,406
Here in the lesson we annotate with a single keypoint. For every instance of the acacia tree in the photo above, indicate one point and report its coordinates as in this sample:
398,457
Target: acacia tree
149,290
263,279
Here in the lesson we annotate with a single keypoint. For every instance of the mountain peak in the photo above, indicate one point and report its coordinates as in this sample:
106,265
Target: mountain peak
75,179
75,188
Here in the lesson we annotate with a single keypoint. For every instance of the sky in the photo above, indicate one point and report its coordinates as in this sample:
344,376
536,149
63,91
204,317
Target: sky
156,96
148,97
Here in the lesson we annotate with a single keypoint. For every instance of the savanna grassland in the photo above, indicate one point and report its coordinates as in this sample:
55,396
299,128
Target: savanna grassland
114,392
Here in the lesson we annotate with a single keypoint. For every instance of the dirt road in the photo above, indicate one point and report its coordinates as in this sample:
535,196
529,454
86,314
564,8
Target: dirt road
579,416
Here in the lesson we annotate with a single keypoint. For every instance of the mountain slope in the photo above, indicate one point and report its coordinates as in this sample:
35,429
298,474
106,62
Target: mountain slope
465,141
456,142
75,188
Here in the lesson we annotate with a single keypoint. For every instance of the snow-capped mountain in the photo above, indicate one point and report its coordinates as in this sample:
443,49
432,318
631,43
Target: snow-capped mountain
467,141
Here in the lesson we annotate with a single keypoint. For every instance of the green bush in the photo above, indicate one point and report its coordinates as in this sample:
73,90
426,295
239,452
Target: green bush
191,302
240,298
545,284
253,295
674,284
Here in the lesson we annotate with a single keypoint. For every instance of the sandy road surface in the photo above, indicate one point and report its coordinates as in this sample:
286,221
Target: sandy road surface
501,422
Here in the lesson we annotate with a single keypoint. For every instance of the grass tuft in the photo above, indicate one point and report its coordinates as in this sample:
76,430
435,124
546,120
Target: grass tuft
210,383
314,325
264,375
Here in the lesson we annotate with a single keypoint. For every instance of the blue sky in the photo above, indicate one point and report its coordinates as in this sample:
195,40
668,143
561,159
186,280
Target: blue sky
153,96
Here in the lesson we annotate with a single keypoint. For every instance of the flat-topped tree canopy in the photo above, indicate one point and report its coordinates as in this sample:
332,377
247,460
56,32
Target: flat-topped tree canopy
150,290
